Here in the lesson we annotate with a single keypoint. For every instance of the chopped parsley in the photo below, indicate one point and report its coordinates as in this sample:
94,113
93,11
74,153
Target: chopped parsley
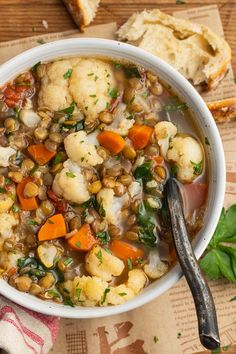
129,263
102,211
33,170
197,167
68,74
174,170
35,66
50,221
90,74
122,294
93,96
131,116
145,94
78,292
233,299
113,93
68,302
78,244
155,339
41,41
145,219
54,293
144,172
103,237
95,78
107,290
175,107
57,159
15,208
2,190
70,174
132,71
31,222
108,106
7,180
99,256
139,260
117,65
69,110
68,261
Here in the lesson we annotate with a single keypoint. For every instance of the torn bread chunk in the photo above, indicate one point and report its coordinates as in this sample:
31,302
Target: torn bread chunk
223,110
82,11
193,49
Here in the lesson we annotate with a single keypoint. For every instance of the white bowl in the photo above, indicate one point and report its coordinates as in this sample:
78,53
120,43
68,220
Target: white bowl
204,122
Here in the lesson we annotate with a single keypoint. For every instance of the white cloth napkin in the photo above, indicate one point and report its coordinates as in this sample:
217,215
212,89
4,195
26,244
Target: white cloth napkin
23,331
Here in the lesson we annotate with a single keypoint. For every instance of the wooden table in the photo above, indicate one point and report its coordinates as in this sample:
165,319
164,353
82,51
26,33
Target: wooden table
22,18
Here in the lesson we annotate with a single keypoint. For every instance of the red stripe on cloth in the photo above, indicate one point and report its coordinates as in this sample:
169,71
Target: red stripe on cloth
50,321
19,330
33,336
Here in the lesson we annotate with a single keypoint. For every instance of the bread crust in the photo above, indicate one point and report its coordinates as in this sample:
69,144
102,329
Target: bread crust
223,110
137,26
78,12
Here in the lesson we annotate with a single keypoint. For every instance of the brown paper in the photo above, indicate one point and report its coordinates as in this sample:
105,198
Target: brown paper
168,324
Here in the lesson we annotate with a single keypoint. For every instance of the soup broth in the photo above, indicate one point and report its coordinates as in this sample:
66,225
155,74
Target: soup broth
86,147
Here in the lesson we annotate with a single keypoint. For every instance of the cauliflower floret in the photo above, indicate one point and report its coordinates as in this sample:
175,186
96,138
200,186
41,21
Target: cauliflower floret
118,295
92,290
30,118
7,222
54,93
121,124
155,268
90,84
112,205
5,154
70,183
103,264
124,292
135,190
6,203
9,260
187,154
164,132
136,280
80,151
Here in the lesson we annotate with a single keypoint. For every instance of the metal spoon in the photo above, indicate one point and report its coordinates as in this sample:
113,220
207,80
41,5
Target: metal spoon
204,304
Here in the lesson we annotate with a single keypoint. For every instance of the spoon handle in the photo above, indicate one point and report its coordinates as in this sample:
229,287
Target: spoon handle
205,308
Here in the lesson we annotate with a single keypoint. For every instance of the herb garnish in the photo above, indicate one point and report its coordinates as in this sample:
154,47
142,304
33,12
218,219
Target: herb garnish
93,96
78,292
15,208
78,244
132,71
68,261
54,293
107,290
70,174
35,66
117,65
122,294
33,170
31,222
197,167
68,302
129,263
113,93
41,41
99,256
57,159
146,225
219,259
2,190
155,339
103,237
68,74
50,221
174,170
144,172
69,110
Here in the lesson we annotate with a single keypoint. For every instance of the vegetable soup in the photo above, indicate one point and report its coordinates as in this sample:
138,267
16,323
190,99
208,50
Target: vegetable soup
86,147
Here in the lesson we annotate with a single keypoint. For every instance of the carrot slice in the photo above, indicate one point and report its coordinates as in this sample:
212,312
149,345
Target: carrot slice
140,135
40,154
83,240
125,251
26,203
111,141
54,227
158,159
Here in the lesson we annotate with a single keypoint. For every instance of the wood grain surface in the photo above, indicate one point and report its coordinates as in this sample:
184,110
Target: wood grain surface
21,18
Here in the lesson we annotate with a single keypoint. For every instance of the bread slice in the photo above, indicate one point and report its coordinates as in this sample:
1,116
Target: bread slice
193,49
223,110
82,11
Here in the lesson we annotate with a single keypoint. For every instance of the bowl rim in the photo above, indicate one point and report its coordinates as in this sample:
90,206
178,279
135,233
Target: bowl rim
122,50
